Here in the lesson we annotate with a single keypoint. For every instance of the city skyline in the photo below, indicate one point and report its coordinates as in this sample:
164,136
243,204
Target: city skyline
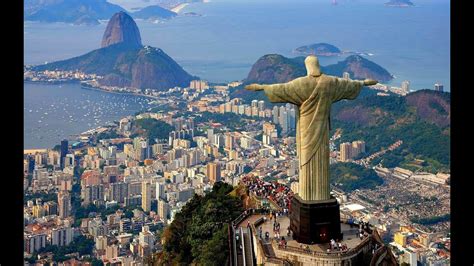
140,162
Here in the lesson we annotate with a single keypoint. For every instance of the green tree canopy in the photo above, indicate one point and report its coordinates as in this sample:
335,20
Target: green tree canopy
198,234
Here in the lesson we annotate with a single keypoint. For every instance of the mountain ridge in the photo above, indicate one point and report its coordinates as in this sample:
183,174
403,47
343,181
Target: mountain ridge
421,119
69,11
276,68
124,62
87,12
423,127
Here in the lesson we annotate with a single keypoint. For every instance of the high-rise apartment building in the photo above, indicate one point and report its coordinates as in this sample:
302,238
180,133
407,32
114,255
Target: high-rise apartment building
292,118
213,172
51,208
210,136
146,196
439,87
283,120
63,152
406,85
163,209
160,190
345,151
146,237
64,204
62,236
93,194
118,191
357,147
198,85
349,150
275,114
34,242
254,103
229,141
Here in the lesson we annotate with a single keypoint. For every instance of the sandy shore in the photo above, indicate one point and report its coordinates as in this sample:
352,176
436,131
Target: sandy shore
178,8
33,151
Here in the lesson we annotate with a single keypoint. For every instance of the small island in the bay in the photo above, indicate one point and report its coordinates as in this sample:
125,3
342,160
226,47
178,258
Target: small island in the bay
192,14
318,49
154,12
86,20
399,3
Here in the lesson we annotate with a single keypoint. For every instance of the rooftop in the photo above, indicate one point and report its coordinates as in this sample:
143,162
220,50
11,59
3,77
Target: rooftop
353,207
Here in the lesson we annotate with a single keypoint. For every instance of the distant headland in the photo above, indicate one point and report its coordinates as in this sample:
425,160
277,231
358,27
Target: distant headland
319,49
325,49
399,3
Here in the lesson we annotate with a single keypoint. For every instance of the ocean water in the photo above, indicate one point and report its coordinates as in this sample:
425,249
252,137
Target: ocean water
221,45
55,112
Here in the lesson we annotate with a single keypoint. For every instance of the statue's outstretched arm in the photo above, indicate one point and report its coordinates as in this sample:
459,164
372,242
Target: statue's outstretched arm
280,93
349,89
255,87
277,86
370,82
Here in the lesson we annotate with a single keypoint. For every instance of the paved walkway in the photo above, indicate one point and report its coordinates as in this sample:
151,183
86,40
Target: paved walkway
350,234
252,219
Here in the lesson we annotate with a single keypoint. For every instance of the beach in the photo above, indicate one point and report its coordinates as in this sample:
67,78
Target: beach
179,7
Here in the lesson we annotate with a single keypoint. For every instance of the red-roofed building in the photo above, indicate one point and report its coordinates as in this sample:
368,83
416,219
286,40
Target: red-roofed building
74,262
91,177
215,125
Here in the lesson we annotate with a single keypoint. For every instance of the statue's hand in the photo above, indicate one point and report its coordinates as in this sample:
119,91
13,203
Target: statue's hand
254,87
369,82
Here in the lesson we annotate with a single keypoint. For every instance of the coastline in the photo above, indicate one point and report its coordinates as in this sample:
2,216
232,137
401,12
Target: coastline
34,149
83,86
116,92
52,82
179,7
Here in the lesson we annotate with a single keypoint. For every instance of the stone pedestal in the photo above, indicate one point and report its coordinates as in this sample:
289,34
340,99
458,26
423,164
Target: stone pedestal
315,222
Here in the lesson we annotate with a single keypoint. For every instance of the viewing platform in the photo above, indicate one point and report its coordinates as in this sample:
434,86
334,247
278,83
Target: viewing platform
267,248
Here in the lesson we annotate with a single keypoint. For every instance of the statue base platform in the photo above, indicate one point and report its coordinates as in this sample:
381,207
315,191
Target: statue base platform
315,222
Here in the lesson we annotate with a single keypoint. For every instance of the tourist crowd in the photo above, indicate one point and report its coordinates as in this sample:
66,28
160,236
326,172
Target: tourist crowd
273,191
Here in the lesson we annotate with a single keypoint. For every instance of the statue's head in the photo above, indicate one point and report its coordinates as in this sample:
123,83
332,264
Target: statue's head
312,66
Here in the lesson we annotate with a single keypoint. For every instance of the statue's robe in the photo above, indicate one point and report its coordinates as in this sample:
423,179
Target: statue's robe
313,96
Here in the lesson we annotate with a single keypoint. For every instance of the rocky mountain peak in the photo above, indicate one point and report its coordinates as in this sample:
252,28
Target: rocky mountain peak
121,29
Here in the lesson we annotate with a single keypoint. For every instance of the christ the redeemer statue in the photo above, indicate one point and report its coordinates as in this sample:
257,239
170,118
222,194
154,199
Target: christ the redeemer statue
313,94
